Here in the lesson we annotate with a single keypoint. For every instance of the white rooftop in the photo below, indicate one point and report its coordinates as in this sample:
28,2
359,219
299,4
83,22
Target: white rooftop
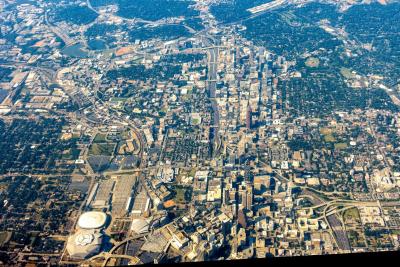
140,226
92,220
84,244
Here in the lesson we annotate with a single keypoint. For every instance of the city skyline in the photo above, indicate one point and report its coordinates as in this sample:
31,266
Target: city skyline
157,131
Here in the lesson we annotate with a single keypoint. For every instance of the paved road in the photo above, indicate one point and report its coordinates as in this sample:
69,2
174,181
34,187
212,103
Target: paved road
334,223
211,83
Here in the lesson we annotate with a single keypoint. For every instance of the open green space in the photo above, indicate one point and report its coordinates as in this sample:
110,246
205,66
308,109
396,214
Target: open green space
182,194
340,146
100,138
325,131
346,73
351,216
329,138
71,154
105,149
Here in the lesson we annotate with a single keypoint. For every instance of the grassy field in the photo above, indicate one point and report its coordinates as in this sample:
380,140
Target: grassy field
71,154
329,138
351,216
328,134
396,231
195,121
325,131
346,73
105,149
183,194
340,146
100,138
180,195
192,172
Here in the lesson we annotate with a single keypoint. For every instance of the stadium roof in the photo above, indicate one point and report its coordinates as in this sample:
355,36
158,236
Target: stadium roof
84,243
92,220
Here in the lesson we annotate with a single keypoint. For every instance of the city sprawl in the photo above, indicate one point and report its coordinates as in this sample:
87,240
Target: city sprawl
166,131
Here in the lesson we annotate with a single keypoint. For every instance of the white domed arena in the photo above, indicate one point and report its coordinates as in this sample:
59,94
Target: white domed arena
84,244
92,220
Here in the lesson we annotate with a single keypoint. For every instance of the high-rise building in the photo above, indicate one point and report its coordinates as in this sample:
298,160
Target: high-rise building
246,195
248,117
